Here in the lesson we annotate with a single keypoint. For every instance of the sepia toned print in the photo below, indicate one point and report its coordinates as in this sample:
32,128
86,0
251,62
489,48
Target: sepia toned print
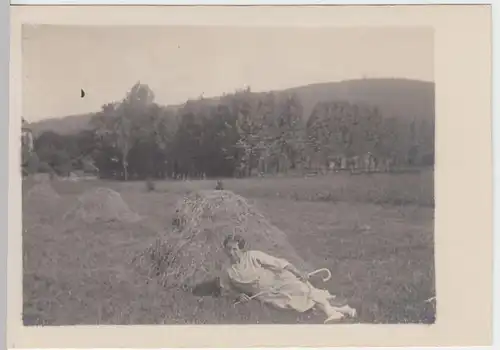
249,177
173,181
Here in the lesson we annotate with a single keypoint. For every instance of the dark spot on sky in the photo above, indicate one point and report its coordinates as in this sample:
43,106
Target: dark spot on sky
82,93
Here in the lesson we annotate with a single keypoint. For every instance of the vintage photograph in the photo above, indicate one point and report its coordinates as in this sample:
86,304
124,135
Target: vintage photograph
227,175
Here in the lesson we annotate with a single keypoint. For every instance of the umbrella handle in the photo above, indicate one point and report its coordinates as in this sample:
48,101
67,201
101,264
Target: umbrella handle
329,274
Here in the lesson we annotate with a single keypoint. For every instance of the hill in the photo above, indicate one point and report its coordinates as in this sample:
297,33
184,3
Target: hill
65,125
401,98
394,97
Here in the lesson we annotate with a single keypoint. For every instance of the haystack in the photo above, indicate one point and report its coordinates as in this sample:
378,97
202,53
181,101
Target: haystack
193,253
101,205
41,204
42,192
42,177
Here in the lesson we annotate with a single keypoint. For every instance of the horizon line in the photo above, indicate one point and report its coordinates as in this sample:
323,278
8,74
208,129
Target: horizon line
180,104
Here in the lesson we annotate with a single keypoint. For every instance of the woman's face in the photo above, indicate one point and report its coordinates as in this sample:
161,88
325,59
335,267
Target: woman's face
233,251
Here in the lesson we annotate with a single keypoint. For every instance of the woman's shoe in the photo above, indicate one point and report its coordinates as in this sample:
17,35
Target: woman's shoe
352,312
335,316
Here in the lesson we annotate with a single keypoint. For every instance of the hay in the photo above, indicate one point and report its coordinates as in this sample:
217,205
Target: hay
101,205
42,177
41,204
193,252
42,192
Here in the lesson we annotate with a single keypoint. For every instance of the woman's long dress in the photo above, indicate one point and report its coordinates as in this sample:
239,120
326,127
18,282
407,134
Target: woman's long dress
265,275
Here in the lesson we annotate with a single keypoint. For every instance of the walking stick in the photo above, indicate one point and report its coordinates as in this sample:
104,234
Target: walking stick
329,275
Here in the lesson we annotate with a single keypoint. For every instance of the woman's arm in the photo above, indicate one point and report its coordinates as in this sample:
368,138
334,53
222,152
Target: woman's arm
278,265
300,275
228,291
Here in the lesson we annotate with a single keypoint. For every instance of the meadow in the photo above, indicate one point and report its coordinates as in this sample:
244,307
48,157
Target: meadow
374,232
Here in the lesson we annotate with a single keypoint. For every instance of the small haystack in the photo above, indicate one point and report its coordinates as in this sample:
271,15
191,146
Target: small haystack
101,205
42,177
42,192
41,204
193,253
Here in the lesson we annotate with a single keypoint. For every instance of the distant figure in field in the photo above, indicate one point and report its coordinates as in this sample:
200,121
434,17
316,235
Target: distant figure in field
275,281
219,186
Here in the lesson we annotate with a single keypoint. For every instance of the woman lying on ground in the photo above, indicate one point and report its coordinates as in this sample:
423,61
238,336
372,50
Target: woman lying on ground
275,281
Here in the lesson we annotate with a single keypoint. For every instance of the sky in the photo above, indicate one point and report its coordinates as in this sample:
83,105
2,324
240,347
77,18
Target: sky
179,63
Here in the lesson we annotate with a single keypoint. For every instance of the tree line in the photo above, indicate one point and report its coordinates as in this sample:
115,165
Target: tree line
237,135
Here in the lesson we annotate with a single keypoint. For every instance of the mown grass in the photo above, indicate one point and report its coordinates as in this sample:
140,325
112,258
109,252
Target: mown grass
374,232
378,188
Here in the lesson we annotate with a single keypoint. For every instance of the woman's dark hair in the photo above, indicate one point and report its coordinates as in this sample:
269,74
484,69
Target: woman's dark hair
235,238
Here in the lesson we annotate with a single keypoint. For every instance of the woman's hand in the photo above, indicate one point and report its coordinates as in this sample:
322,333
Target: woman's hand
242,298
300,275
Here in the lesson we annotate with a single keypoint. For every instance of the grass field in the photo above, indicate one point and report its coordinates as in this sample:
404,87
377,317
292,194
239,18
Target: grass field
374,232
